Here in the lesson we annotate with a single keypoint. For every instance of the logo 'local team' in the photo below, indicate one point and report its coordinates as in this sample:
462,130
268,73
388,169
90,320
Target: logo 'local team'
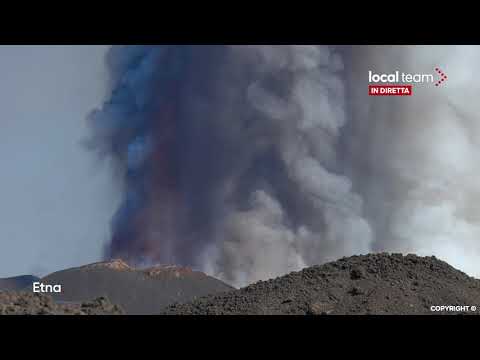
396,83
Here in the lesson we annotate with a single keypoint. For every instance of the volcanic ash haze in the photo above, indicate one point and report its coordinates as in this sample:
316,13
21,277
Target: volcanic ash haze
416,158
249,162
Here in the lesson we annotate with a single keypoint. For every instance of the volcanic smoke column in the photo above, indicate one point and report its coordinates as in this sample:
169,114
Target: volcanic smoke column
229,158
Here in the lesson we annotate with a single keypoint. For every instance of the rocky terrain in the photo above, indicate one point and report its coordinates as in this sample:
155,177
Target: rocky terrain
27,303
371,284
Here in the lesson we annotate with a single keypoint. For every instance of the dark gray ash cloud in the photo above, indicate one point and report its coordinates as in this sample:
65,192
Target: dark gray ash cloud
252,161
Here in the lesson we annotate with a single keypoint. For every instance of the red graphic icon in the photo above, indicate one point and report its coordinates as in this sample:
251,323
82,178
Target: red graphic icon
443,77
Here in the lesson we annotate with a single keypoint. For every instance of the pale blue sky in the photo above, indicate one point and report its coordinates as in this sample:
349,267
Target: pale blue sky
55,200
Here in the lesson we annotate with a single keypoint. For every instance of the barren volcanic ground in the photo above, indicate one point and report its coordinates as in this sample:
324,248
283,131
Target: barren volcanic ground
367,284
27,303
370,284
137,291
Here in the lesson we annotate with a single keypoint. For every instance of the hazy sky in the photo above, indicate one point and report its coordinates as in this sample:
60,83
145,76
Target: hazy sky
55,200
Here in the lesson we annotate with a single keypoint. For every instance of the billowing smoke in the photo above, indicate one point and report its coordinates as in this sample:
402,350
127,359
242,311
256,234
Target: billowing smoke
230,159
252,161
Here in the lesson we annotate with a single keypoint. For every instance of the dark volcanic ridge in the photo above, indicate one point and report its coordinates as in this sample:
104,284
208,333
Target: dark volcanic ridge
137,291
17,283
26,303
368,284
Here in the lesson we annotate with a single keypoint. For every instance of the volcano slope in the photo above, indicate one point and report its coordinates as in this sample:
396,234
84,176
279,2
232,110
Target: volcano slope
137,291
370,284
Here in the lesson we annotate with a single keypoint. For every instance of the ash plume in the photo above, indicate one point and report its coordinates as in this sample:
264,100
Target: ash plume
230,159
249,162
